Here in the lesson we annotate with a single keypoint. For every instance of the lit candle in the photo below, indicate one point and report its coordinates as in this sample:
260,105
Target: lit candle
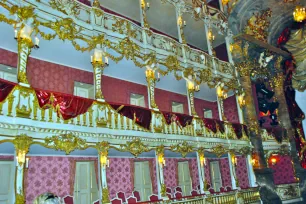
91,58
17,161
106,60
108,163
27,162
148,5
15,33
37,41
184,23
158,75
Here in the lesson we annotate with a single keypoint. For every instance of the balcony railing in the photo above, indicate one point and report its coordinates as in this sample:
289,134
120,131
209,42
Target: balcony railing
23,102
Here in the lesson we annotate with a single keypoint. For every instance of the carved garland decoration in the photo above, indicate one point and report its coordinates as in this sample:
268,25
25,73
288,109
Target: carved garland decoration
184,148
135,147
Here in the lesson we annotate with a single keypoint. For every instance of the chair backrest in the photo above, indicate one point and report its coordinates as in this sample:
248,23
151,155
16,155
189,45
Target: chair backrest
68,199
178,189
96,202
131,200
228,188
194,193
168,190
222,189
116,201
153,197
169,195
121,195
211,190
136,194
178,195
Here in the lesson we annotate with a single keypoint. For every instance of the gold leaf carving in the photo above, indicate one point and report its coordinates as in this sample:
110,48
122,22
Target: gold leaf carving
135,147
183,148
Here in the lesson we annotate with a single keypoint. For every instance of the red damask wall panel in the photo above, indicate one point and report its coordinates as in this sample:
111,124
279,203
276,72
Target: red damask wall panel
119,91
171,172
120,175
49,174
164,100
230,109
200,105
54,77
283,172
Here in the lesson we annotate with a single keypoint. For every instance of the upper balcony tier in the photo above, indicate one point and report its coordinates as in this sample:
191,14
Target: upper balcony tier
130,32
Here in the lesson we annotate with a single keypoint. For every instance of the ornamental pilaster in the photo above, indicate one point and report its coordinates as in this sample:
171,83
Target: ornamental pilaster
151,80
25,46
98,72
22,144
160,163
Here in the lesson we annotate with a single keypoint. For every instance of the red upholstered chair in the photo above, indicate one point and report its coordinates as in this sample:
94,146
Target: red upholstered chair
211,191
68,199
96,202
194,193
136,194
131,200
121,195
222,190
228,188
178,195
153,197
178,189
116,201
168,190
169,195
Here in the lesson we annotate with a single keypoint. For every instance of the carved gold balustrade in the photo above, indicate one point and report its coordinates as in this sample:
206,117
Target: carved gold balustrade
22,103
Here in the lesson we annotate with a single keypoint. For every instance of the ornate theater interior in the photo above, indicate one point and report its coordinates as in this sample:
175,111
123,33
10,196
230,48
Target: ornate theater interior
152,101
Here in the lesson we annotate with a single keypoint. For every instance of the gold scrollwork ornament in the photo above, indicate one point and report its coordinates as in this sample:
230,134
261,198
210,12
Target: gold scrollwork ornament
183,148
135,147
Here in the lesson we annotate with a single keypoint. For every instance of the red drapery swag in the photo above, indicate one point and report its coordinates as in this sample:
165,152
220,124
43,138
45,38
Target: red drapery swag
278,133
142,116
67,106
180,119
220,125
210,124
238,128
5,89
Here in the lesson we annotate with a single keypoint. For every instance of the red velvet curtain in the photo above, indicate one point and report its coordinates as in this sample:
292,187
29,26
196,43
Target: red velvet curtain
181,119
143,115
67,106
210,124
5,89
238,130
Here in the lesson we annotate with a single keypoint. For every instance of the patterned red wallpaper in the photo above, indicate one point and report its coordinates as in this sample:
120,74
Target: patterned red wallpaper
230,109
283,170
171,172
241,171
119,175
54,77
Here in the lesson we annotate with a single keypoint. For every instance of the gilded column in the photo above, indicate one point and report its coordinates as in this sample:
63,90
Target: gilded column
232,160
25,46
190,94
160,163
103,148
22,144
201,165
144,6
151,80
98,67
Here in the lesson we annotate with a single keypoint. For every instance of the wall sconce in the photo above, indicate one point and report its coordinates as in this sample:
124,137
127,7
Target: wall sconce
21,159
180,21
25,33
273,159
221,92
161,160
202,160
193,87
234,160
97,57
104,161
211,36
241,100
145,5
150,74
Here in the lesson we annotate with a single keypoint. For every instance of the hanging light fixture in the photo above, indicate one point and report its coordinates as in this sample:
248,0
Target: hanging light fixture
299,14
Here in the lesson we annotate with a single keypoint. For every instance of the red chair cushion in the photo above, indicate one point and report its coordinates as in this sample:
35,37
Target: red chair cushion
116,201
68,200
131,200
136,195
121,195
